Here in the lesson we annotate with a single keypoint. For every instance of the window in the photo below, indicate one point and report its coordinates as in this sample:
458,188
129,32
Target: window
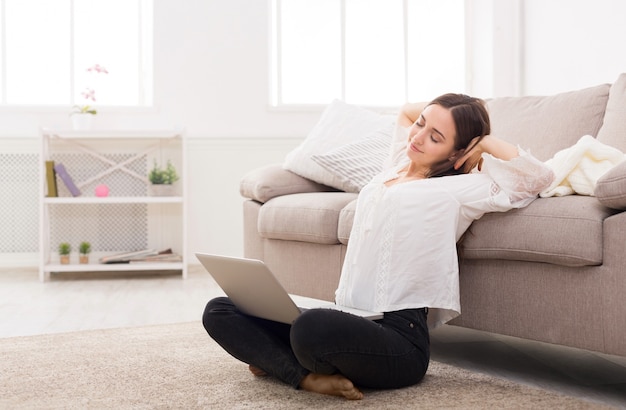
49,45
367,52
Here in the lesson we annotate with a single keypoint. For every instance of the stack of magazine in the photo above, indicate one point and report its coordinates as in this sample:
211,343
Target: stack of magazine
143,256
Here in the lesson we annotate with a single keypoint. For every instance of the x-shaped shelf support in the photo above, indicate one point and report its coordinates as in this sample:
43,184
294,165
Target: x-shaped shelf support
113,166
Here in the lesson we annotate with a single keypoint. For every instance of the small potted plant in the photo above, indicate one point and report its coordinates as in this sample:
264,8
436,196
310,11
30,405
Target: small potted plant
84,249
64,252
162,179
82,117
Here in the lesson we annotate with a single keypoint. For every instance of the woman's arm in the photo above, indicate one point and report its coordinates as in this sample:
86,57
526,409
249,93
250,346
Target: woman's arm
488,144
410,112
519,174
498,148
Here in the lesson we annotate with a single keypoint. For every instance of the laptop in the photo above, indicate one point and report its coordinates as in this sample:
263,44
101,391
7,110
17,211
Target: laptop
254,289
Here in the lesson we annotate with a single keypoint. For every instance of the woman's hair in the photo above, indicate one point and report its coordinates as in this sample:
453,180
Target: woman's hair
471,120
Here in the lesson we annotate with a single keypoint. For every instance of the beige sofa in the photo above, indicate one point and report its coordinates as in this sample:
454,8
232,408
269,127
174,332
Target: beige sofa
554,271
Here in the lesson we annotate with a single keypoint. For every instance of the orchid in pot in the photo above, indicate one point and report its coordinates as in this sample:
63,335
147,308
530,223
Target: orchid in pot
82,115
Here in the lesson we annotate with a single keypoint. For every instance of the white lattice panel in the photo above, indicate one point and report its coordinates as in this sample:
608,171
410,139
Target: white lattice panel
18,203
117,228
82,167
109,228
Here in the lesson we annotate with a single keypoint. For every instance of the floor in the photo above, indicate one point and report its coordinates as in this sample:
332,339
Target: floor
73,302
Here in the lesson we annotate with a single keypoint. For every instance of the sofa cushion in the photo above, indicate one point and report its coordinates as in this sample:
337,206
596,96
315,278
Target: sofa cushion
346,218
308,217
611,187
613,132
339,124
545,125
270,181
559,230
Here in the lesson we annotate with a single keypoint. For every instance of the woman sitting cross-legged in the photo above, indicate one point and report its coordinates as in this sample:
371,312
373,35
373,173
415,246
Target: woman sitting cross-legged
444,172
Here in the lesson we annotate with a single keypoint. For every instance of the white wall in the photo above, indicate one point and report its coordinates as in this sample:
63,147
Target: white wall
211,75
572,44
212,70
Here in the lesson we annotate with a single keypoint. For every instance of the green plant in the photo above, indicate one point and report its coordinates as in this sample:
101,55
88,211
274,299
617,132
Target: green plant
65,248
159,176
83,109
84,248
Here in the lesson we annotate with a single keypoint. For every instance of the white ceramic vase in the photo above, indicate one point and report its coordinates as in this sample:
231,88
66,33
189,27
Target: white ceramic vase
82,122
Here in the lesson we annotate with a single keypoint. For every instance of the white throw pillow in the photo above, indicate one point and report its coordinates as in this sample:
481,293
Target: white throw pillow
340,124
356,163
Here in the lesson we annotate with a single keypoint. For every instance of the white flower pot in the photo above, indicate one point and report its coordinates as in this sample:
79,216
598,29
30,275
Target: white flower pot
82,122
161,189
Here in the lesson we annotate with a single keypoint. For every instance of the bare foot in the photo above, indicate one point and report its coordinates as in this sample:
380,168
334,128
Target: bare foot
334,385
256,371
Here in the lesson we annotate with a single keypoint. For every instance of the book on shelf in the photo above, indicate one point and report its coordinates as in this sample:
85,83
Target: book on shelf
169,257
125,257
145,256
51,180
67,179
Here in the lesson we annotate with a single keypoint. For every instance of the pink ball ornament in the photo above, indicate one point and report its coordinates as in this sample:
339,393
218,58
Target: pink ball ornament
102,190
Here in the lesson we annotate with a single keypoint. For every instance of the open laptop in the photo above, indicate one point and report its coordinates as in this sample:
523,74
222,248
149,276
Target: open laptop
254,289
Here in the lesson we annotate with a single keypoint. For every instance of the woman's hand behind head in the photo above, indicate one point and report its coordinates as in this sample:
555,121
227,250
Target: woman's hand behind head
488,144
471,158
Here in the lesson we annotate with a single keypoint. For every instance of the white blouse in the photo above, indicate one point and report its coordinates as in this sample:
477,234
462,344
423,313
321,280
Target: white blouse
402,250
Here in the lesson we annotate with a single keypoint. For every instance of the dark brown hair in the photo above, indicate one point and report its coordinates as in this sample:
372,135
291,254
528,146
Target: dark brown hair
471,120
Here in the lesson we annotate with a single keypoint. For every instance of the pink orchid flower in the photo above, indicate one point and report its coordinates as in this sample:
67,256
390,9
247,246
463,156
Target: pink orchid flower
98,69
89,94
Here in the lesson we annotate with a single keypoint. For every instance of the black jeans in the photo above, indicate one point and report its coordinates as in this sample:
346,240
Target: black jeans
389,353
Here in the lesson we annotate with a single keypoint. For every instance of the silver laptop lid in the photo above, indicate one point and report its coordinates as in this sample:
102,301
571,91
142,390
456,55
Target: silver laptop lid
251,286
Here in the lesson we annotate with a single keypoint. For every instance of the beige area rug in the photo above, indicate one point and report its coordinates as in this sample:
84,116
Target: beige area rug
179,366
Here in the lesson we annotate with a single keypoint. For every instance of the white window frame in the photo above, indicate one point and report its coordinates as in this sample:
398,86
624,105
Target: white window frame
275,83
145,65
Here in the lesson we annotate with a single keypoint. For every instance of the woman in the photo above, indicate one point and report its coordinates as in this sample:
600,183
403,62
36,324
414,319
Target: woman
445,171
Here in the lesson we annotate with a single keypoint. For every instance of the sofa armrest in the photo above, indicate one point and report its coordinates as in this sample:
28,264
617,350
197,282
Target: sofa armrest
265,183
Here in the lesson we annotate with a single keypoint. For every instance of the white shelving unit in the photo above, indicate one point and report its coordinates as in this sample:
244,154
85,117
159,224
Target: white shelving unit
128,219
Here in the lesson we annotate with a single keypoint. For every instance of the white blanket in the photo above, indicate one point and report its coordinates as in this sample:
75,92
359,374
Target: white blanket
578,168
